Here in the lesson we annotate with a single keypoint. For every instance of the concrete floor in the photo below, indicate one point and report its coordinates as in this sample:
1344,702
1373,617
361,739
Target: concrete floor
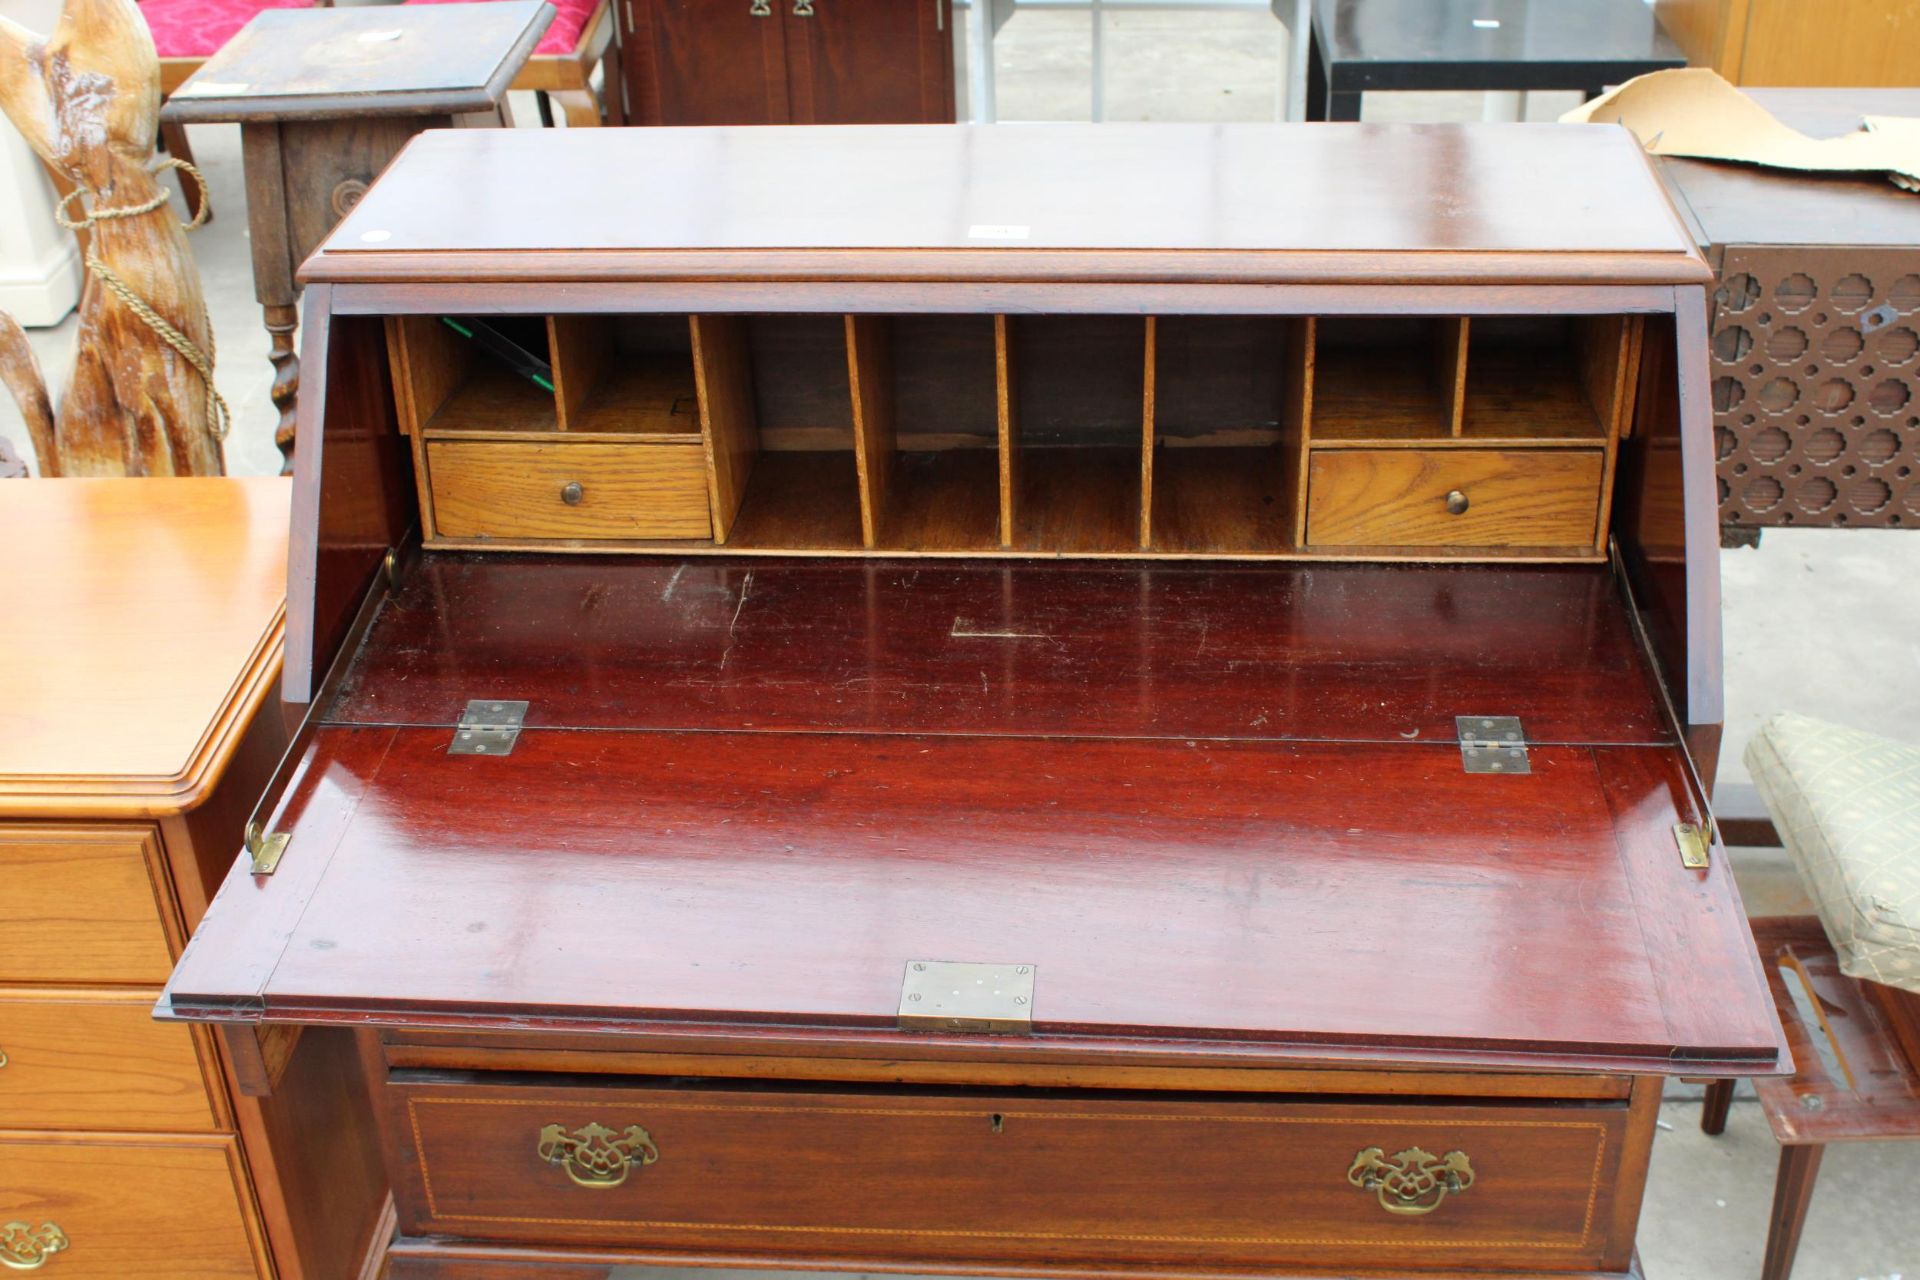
1825,622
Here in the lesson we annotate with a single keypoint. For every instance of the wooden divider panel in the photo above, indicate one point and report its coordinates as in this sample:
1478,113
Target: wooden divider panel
723,381
875,440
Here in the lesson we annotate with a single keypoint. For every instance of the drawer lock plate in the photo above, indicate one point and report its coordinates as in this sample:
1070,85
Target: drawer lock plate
944,995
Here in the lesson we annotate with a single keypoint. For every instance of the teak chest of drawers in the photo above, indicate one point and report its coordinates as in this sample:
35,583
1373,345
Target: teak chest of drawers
139,663
1104,701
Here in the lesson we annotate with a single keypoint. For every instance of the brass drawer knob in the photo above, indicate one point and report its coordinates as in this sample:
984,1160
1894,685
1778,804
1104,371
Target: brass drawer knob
25,1248
1456,502
594,1155
572,494
1413,1181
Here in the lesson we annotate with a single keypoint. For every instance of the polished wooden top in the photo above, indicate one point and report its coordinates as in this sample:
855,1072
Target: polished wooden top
1249,202
750,795
140,628
1744,204
381,60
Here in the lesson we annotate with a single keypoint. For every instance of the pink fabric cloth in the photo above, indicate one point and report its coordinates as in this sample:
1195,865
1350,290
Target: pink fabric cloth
569,24
198,28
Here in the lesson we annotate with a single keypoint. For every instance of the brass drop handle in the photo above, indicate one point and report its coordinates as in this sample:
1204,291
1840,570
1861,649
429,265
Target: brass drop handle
572,494
803,8
595,1156
760,9
1413,1182
25,1248
1456,502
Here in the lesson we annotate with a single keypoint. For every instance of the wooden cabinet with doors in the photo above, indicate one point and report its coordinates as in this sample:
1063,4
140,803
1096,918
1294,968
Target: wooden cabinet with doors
789,61
140,631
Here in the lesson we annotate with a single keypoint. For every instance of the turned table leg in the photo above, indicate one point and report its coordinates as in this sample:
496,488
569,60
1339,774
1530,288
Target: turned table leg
1714,1107
282,322
1792,1193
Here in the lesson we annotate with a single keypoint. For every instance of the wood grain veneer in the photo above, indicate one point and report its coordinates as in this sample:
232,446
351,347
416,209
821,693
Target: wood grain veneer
502,490
1389,498
166,1208
91,1059
1002,1178
99,723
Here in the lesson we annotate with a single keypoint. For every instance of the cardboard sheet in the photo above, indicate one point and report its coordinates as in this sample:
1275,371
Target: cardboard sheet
1693,112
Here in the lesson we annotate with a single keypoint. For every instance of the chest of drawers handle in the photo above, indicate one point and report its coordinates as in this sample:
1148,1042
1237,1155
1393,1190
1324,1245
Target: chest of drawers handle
595,1156
25,1248
1413,1182
1456,502
572,493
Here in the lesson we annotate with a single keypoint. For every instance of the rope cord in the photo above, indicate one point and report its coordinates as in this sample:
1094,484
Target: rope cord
202,361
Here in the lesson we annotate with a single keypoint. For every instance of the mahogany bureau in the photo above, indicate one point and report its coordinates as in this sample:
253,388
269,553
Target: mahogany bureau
1098,701
140,633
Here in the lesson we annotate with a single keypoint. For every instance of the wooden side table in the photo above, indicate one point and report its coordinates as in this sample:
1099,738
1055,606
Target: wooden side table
325,98
140,654
1853,1083
1362,45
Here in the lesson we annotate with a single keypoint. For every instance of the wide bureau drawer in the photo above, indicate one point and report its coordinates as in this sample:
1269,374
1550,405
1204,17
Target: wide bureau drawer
1545,498
988,1178
80,906
94,1209
98,1062
564,489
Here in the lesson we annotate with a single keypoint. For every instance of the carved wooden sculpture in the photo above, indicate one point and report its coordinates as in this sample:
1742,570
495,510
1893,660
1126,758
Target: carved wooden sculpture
140,400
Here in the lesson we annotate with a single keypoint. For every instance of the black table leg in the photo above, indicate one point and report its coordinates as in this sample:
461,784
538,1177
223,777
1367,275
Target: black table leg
1343,106
1316,77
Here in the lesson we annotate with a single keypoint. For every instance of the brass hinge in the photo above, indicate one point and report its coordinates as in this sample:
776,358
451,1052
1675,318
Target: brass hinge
1492,744
265,848
942,995
488,727
1695,842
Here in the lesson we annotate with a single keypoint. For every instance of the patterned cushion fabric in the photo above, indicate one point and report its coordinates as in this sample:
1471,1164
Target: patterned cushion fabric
568,24
197,28
1847,806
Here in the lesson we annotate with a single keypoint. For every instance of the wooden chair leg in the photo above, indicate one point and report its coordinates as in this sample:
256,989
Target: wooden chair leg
611,90
1714,1107
174,138
581,107
1792,1193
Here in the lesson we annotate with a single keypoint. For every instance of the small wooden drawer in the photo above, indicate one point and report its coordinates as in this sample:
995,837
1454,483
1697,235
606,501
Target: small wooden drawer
892,1175
98,1062
1531,498
80,906
98,1209
510,490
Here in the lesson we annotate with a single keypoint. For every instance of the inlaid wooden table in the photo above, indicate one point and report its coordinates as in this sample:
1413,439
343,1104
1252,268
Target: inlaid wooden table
140,641
1364,45
325,97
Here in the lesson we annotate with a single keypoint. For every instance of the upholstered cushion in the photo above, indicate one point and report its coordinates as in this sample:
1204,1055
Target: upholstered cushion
198,28
1847,806
569,24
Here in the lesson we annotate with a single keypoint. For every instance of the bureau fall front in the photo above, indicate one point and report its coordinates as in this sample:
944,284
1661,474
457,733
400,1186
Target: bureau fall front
1121,701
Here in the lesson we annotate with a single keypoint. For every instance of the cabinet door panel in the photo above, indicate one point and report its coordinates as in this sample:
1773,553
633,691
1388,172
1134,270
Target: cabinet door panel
870,61
707,62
